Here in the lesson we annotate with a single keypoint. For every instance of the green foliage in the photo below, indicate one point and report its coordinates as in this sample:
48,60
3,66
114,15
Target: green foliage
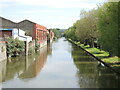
70,33
108,27
112,60
37,46
31,51
15,47
84,29
100,26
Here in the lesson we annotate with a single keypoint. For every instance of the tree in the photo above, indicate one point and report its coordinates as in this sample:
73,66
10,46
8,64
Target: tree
86,27
108,27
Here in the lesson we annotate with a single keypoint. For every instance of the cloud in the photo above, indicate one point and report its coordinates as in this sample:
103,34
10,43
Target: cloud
51,13
56,3
37,11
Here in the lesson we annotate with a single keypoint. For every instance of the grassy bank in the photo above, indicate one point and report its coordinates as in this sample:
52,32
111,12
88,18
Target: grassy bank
103,55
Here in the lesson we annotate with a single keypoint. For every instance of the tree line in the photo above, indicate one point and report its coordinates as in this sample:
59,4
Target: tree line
98,28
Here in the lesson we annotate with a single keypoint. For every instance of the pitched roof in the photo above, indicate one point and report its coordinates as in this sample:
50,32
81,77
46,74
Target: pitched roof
28,21
7,20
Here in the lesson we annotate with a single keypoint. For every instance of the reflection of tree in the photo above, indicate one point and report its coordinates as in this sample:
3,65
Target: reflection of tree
25,67
107,78
16,66
88,72
80,55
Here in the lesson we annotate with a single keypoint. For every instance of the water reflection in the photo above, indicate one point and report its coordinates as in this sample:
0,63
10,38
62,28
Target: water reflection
2,70
24,67
65,66
89,73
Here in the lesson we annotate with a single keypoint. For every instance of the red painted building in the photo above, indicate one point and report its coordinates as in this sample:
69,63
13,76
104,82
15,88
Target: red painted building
38,32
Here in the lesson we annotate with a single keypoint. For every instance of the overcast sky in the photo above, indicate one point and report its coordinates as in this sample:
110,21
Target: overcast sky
50,13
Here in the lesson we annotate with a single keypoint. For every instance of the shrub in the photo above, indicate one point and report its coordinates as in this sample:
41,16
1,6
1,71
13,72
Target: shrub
14,47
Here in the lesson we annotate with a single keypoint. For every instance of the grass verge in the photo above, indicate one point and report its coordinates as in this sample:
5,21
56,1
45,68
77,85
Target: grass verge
101,54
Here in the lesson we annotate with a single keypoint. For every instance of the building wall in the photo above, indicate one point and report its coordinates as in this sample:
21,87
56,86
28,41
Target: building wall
41,33
3,55
5,23
27,26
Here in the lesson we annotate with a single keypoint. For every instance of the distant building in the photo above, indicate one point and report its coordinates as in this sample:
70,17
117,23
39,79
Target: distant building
50,36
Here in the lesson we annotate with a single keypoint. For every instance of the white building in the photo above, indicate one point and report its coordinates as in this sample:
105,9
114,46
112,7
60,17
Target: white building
20,34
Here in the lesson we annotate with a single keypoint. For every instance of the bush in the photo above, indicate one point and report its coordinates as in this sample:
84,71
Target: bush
14,47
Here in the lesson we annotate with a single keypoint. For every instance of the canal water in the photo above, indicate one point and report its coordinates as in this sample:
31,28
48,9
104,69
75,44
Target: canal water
58,65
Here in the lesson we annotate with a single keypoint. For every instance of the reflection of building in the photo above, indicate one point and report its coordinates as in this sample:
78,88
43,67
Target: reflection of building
35,67
49,48
14,67
2,70
24,67
50,36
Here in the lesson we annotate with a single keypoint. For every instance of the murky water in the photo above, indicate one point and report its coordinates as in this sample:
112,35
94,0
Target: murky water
60,65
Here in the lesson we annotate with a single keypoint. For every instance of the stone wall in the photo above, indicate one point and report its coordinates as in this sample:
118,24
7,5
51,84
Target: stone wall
3,55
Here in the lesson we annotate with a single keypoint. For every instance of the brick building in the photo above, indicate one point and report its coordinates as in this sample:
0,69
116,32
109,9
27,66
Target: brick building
38,32
6,27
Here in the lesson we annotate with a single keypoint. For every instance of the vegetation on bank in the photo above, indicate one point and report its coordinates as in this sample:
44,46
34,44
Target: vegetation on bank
101,54
98,31
14,47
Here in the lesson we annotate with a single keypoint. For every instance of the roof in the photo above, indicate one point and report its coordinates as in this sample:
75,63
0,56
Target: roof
7,19
24,21
28,21
34,23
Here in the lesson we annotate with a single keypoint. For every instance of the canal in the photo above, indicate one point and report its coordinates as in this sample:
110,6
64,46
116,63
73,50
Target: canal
58,65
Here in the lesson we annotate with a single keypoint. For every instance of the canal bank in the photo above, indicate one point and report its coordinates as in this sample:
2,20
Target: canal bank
100,60
64,66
